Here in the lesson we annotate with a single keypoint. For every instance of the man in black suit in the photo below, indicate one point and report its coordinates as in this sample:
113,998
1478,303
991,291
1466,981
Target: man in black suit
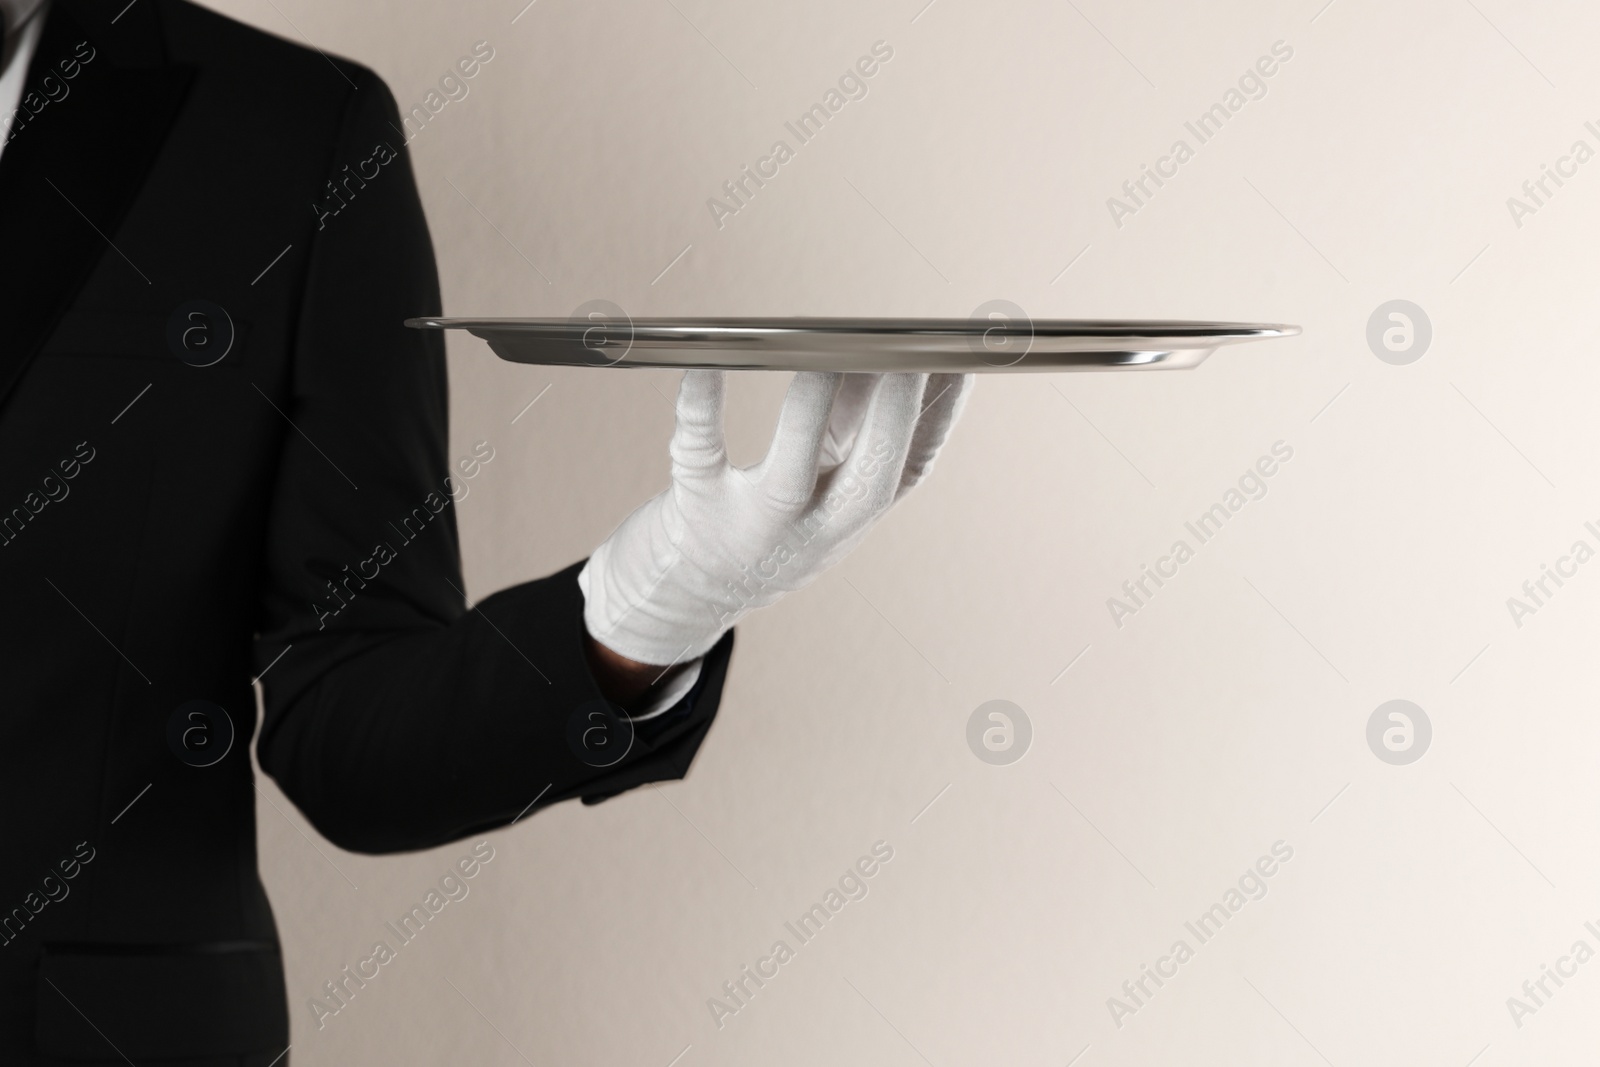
225,459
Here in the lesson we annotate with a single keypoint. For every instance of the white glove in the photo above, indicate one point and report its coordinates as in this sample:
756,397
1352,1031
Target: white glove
722,540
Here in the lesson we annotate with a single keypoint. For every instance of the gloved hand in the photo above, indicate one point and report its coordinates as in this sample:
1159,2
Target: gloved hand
722,540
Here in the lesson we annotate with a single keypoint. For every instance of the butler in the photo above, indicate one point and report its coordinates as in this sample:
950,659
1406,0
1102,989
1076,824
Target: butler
195,436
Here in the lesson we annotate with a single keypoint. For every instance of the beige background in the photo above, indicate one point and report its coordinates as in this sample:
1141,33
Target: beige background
1222,718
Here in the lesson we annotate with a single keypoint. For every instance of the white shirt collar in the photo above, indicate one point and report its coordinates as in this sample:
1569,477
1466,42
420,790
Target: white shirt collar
17,54
17,12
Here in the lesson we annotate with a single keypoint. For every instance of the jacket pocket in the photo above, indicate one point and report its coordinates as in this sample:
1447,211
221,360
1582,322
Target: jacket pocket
160,1001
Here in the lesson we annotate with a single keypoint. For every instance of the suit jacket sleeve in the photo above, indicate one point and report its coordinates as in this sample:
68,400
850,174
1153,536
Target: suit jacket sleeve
395,718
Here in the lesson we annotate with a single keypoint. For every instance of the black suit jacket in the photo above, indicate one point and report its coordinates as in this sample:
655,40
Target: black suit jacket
170,530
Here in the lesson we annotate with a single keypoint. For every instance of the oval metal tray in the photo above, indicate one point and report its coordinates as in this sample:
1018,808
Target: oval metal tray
858,344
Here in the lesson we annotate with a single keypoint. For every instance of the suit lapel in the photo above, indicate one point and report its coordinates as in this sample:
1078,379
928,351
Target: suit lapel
71,171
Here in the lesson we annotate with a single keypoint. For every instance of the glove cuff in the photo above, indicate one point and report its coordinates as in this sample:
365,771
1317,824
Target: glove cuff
636,630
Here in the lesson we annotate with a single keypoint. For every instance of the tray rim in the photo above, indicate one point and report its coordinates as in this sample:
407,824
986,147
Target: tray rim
873,344
706,329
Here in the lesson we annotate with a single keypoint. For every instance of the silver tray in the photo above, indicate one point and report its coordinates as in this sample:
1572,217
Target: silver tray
611,339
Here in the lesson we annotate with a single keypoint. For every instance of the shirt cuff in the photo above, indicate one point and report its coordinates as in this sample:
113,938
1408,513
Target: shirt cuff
674,691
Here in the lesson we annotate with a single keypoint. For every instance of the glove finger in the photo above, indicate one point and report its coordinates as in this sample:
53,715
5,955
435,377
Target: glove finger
870,476
788,474
944,400
697,442
849,410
